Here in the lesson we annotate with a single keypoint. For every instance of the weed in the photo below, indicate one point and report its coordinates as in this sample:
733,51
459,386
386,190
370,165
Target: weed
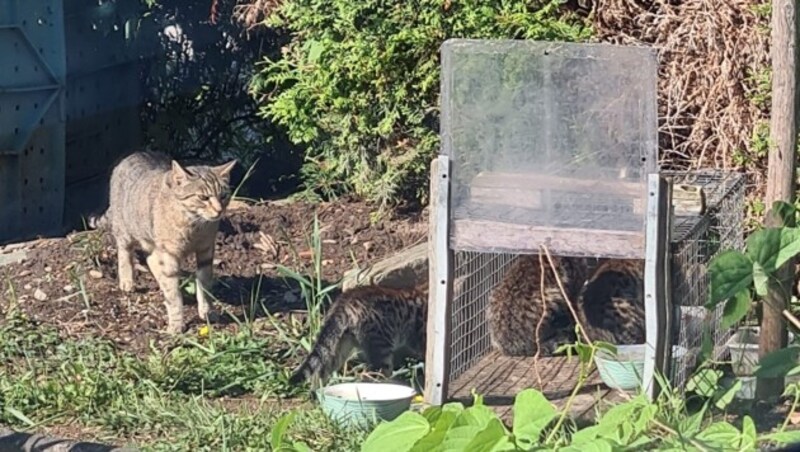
313,289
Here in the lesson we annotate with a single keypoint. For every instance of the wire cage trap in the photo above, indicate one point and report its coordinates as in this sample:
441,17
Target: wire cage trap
552,144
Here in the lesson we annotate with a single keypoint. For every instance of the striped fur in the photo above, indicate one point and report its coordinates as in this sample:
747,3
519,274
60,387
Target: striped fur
385,325
170,213
612,303
516,306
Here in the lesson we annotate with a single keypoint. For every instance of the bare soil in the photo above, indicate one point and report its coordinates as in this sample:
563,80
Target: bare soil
71,282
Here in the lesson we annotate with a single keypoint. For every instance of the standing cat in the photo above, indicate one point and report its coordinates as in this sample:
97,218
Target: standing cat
612,302
385,325
516,305
169,212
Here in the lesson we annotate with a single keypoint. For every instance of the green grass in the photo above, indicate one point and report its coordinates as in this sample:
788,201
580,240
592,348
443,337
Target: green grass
225,391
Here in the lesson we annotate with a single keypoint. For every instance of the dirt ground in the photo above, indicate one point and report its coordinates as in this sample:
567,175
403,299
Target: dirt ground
71,283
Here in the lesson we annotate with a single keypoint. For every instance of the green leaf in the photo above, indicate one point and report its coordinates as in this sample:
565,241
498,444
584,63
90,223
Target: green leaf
749,437
466,426
773,247
492,438
730,273
315,49
438,431
301,447
20,416
276,436
705,382
763,247
612,419
778,363
790,246
691,425
785,211
720,434
398,435
596,445
725,396
736,308
532,413
585,435
760,279
787,437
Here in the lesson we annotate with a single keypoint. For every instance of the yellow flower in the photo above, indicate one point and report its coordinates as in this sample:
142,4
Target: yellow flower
418,398
203,331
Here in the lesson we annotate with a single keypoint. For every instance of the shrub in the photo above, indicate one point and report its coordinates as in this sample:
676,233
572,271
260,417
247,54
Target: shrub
358,83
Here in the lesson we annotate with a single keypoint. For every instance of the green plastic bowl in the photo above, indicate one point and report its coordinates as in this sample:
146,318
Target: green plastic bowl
623,371
364,404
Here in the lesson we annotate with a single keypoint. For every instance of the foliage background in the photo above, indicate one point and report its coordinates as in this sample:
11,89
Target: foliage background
358,83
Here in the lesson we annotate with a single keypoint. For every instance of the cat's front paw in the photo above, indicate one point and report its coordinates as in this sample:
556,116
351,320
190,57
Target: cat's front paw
175,328
126,285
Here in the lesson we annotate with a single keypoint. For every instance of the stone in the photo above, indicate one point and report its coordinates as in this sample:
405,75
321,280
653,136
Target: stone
404,269
39,295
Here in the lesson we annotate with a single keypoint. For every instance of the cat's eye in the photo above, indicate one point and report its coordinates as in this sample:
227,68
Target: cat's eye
203,197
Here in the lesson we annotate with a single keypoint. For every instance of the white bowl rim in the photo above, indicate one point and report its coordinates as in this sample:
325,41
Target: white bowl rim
636,349
368,391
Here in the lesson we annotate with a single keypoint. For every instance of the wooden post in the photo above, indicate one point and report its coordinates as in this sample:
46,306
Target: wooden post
781,171
440,285
658,306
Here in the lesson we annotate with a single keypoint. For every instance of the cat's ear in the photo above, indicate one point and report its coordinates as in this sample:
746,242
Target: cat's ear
224,171
179,174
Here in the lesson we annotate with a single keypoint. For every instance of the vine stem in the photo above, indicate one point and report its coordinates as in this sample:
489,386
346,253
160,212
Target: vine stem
566,298
583,374
795,402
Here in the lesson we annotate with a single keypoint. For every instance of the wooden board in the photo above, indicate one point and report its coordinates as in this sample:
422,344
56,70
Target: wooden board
499,378
485,235
531,190
440,285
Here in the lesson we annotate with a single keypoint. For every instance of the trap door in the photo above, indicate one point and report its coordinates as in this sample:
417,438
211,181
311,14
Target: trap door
550,144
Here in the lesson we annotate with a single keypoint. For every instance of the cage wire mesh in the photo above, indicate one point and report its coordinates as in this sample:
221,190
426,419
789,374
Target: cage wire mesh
695,241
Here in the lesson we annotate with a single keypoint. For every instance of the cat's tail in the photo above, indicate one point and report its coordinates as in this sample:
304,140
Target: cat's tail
333,346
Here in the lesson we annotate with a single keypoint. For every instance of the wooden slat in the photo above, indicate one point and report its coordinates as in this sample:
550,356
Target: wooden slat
500,378
540,181
440,283
658,311
531,190
484,235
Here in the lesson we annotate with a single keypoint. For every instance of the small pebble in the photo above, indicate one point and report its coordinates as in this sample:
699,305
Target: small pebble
96,274
24,273
27,287
69,288
40,295
48,269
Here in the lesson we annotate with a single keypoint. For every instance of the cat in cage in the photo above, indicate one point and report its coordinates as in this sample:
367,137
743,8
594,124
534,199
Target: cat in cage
527,318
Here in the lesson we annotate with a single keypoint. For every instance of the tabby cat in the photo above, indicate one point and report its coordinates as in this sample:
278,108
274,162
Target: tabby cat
516,306
611,308
170,212
386,325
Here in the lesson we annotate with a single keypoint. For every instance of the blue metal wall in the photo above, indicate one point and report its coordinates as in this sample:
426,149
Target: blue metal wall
32,113
70,93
